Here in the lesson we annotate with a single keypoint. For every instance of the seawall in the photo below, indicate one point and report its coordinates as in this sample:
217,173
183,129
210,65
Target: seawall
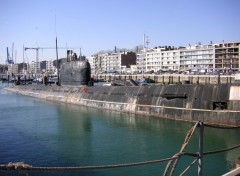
173,78
213,104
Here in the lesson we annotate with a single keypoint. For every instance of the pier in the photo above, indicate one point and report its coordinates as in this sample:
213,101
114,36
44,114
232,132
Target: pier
173,78
161,79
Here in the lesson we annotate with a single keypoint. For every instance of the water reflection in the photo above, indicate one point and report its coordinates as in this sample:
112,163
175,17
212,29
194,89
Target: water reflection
146,138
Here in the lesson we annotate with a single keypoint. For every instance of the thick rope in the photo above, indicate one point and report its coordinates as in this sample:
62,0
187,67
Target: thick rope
22,166
167,167
188,167
187,138
221,126
222,150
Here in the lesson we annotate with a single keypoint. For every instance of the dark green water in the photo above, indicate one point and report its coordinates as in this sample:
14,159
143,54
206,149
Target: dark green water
42,133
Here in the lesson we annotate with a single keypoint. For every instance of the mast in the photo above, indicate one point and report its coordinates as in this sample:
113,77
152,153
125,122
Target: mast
23,61
143,53
80,55
57,63
12,50
145,43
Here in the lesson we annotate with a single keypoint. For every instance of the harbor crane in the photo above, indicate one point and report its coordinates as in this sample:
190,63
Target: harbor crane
9,59
37,68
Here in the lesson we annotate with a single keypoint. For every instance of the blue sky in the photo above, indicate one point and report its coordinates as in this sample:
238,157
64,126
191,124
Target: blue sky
95,25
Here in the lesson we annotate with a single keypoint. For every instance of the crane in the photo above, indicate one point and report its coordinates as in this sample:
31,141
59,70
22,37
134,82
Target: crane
37,58
37,68
9,59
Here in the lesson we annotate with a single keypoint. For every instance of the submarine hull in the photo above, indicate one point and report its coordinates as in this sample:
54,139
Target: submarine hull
217,105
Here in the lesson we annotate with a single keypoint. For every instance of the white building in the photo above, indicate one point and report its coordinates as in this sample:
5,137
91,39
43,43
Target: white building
208,58
110,62
141,62
50,68
158,58
113,62
153,60
170,59
223,57
35,67
94,65
197,58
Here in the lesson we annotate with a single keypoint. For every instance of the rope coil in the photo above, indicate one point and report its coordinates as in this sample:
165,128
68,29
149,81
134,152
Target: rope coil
16,166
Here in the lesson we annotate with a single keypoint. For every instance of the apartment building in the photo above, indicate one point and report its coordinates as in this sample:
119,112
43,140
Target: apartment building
50,68
227,58
114,62
94,64
209,58
158,58
153,60
141,62
43,66
197,58
35,67
170,58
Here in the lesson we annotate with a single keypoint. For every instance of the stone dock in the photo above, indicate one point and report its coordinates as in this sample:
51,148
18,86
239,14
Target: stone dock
173,78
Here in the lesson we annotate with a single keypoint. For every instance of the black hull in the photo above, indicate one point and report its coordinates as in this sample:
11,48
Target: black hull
218,105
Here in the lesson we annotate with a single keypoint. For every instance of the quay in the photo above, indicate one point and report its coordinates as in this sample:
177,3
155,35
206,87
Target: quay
172,78
161,79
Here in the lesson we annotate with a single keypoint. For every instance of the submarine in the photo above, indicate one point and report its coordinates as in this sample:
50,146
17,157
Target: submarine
214,104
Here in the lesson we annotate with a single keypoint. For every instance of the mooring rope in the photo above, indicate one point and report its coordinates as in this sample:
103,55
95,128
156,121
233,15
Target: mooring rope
222,150
23,166
226,127
187,139
188,167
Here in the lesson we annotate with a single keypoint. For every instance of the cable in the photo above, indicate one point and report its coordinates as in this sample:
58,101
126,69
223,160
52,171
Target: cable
222,150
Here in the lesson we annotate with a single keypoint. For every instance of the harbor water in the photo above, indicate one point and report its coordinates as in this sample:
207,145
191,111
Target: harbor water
53,134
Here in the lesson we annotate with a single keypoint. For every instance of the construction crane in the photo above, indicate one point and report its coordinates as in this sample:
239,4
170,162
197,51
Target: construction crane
37,68
9,59
37,58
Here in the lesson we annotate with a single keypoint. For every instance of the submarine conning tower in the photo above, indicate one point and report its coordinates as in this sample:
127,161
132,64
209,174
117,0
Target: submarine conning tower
75,73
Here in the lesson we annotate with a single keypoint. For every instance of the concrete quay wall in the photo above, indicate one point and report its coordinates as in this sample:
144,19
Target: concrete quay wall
173,78
178,102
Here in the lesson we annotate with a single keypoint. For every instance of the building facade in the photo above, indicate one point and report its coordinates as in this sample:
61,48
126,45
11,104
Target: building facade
199,58
112,62
94,65
42,67
50,68
34,67
210,58
227,57
158,58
